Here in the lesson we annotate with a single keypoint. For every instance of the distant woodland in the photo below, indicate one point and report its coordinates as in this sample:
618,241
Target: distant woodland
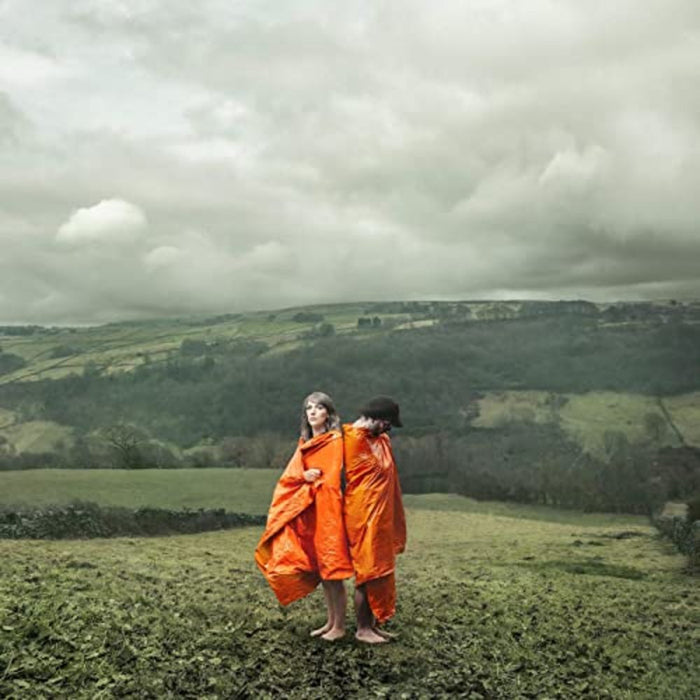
237,403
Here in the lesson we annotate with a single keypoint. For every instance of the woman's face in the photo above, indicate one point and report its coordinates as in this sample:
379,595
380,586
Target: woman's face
317,415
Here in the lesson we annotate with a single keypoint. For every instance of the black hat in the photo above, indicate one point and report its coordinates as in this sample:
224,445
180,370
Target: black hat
383,407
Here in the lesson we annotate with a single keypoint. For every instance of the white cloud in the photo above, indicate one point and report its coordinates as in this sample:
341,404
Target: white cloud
270,257
163,256
574,168
22,68
328,151
110,221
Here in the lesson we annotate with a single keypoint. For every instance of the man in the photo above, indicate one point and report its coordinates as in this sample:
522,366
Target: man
374,515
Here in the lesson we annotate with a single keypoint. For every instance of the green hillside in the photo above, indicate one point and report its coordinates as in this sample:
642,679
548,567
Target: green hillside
564,403
53,353
587,418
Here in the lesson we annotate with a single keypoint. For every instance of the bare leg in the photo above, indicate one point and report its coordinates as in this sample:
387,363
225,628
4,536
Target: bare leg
329,622
365,619
338,603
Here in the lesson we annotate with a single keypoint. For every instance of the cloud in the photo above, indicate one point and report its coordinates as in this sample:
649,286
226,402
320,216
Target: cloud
111,221
163,256
20,67
316,151
13,124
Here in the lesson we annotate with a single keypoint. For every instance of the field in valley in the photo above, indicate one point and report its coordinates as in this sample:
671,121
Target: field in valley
237,490
495,601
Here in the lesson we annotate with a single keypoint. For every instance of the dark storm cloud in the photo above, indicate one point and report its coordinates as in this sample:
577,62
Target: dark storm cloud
263,154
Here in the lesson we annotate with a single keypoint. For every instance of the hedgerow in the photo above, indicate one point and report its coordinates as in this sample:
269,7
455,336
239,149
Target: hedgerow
81,520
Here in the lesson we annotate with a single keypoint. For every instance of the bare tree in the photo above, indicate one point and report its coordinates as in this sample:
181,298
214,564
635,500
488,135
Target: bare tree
126,440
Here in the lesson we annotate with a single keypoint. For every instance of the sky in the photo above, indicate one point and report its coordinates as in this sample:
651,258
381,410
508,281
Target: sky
167,158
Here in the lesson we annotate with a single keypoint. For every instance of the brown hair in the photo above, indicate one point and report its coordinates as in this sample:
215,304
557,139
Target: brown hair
333,420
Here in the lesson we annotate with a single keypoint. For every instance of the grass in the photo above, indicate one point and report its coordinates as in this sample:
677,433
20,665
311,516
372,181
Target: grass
489,607
119,347
37,436
7,418
237,490
587,417
453,502
685,413
501,407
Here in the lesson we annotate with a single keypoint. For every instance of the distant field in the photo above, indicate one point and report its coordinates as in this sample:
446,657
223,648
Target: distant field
53,353
118,347
522,511
488,607
37,436
685,413
587,417
237,490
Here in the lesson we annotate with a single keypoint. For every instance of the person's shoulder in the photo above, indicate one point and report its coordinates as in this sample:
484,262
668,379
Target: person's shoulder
352,429
320,440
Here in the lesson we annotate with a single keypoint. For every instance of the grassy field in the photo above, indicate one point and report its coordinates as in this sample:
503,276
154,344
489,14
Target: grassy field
685,413
586,418
37,436
237,490
495,601
120,347
489,606
52,353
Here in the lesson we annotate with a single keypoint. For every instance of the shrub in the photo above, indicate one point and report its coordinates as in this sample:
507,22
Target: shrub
10,363
685,534
307,317
88,520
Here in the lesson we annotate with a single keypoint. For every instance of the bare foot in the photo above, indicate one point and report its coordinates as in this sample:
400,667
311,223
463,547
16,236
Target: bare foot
369,636
333,634
321,630
384,633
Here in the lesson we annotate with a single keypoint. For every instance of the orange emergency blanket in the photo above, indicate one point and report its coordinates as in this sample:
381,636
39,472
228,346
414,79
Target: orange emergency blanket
374,516
304,540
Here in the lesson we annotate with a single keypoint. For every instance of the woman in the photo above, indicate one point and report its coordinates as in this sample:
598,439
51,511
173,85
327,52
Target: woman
304,541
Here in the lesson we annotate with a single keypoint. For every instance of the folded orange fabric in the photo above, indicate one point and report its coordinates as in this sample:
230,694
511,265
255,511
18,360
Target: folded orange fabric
374,516
304,540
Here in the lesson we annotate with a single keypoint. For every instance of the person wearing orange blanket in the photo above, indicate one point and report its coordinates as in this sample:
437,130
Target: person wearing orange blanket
304,541
374,515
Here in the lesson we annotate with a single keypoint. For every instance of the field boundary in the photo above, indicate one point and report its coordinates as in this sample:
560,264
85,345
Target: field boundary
82,520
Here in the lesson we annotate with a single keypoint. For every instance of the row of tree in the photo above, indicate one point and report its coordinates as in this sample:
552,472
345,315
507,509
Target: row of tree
539,465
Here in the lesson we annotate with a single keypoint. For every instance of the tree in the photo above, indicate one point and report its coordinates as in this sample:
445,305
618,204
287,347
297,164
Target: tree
10,363
126,440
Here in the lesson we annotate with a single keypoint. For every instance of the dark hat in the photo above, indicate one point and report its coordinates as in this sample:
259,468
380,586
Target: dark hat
383,407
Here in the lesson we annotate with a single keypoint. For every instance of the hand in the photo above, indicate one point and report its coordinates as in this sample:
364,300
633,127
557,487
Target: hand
312,474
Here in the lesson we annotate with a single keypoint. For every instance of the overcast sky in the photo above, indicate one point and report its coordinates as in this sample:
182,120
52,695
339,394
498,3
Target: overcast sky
165,157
